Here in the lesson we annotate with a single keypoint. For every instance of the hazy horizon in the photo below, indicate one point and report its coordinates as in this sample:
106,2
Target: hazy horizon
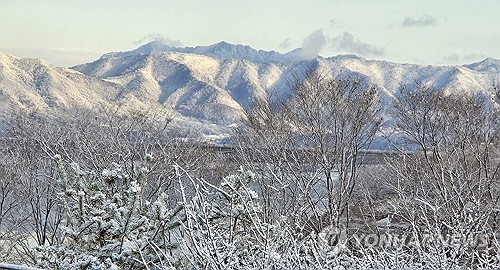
67,33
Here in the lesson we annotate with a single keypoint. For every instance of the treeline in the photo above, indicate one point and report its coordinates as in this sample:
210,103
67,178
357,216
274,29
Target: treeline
110,188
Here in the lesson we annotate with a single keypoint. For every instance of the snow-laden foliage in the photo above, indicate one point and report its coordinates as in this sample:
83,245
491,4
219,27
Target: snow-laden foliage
224,224
224,229
108,224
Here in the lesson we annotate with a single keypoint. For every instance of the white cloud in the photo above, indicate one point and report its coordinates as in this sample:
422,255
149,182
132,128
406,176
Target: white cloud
285,44
462,59
334,22
313,44
422,21
347,42
158,37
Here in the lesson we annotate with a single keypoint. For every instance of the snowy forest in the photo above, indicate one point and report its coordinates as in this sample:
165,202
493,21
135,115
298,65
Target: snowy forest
296,188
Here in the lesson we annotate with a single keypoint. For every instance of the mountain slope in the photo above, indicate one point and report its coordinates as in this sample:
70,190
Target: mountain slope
211,86
197,86
218,83
33,84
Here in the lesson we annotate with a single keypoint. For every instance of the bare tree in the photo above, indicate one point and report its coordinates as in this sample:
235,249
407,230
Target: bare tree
447,189
96,139
308,147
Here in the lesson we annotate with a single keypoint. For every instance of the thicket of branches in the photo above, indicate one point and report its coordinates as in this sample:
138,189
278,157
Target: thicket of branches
110,188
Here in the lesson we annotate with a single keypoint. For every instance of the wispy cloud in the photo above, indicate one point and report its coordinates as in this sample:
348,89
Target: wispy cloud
334,22
71,50
285,44
462,59
160,38
313,44
422,21
347,42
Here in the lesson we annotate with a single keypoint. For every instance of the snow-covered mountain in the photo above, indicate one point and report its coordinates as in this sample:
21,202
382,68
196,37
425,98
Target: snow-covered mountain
217,83
221,50
212,85
34,84
195,85
487,65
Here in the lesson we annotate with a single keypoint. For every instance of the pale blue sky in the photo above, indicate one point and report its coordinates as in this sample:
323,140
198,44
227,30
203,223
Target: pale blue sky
68,32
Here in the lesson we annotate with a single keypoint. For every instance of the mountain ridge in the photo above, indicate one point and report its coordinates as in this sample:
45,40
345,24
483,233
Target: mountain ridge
245,80
211,86
222,50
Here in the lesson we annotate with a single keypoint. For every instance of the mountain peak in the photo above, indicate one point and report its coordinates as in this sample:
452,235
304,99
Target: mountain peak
156,45
490,59
4,56
230,46
23,62
225,44
148,48
222,46
222,50
487,65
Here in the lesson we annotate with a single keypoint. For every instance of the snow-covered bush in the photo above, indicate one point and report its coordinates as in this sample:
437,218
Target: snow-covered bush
108,224
224,229
223,226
